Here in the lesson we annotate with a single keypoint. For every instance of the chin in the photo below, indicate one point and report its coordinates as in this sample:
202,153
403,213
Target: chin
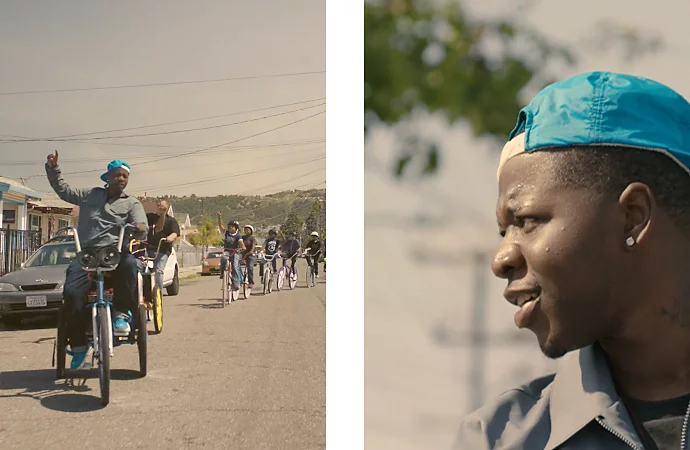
555,347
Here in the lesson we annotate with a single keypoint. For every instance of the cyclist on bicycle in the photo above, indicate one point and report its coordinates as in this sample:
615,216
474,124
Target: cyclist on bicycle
248,254
231,240
324,255
161,226
271,246
314,252
291,249
102,213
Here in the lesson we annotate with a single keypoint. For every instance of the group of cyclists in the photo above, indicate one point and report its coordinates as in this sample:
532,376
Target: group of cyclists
242,247
103,211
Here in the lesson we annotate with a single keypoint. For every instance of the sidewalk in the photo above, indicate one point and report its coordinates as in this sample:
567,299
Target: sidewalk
186,271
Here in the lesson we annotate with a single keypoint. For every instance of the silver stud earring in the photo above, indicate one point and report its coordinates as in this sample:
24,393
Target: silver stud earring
630,241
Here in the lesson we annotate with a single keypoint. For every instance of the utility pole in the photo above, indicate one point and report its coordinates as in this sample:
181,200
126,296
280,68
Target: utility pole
477,336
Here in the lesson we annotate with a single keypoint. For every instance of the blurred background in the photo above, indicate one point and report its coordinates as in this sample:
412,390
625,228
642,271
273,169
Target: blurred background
444,81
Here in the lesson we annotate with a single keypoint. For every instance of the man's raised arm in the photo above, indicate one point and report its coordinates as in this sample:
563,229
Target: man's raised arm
59,185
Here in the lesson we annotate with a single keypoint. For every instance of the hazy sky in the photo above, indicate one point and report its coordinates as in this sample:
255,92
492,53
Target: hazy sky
48,45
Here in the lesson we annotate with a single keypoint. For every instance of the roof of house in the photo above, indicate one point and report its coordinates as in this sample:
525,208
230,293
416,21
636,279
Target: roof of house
9,185
51,200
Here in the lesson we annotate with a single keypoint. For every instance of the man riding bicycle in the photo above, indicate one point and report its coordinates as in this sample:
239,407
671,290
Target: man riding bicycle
161,226
291,249
102,213
271,246
248,254
232,240
314,252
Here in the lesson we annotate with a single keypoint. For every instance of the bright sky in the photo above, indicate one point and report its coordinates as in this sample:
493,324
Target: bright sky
47,45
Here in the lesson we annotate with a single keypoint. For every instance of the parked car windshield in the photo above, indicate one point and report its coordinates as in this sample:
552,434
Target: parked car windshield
51,255
212,255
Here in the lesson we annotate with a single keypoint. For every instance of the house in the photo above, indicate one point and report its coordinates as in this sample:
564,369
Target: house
185,225
50,214
14,197
17,241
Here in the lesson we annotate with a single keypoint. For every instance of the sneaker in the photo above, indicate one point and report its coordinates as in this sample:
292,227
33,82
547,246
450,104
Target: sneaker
251,285
317,275
79,358
121,324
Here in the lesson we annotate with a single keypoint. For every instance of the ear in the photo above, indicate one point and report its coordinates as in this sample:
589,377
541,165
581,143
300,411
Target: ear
639,206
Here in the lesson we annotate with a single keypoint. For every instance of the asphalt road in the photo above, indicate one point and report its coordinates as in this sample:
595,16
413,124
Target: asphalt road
250,376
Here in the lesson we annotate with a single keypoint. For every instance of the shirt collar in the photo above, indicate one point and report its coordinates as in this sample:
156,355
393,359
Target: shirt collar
583,390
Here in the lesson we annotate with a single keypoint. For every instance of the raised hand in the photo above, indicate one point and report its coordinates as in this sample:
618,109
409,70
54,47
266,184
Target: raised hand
53,160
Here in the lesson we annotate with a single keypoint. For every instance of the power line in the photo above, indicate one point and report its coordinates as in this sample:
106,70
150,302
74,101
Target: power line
208,148
30,139
294,122
229,176
125,144
160,133
130,86
238,149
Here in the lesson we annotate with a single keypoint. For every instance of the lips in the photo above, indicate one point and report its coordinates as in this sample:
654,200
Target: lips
527,300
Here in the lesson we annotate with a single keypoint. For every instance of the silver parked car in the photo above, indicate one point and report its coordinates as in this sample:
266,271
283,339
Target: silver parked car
36,288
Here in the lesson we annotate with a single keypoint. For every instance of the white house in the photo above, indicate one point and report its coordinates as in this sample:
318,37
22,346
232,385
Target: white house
14,198
50,214
16,243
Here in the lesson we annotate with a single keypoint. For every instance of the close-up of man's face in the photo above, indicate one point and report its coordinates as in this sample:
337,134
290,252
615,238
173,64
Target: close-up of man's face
559,254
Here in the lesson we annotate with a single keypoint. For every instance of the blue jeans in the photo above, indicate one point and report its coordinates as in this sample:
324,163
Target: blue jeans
250,261
158,265
235,264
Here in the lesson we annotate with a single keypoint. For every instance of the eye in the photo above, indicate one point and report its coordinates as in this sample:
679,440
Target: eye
527,223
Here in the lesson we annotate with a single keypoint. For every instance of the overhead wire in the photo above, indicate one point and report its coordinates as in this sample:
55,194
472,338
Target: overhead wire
238,149
171,83
227,176
161,133
180,155
32,139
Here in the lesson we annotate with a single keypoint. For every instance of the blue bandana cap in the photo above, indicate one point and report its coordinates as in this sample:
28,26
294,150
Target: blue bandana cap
116,164
604,109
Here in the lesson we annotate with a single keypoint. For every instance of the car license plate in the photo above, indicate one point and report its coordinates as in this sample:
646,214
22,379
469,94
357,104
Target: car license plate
35,301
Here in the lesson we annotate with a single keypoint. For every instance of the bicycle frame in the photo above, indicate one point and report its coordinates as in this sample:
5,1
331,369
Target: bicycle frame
100,291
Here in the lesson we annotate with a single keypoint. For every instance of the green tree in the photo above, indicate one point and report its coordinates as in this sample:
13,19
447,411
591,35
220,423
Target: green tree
208,233
293,222
195,240
312,222
420,55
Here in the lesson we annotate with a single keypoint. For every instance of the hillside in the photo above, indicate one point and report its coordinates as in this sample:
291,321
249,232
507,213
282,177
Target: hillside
261,211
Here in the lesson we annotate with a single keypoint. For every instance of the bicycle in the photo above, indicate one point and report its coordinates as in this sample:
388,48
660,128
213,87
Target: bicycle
231,293
311,276
153,297
244,278
267,279
287,272
100,337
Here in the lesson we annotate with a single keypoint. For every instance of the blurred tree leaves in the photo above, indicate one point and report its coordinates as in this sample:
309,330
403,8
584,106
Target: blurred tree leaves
419,56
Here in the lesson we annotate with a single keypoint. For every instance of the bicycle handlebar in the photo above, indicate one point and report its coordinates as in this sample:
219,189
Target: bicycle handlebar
77,242
134,242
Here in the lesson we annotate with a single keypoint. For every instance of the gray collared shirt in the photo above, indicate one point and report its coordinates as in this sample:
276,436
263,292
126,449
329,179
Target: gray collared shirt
577,409
100,218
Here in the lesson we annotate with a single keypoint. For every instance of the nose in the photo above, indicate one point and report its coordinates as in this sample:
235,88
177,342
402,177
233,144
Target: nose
507,259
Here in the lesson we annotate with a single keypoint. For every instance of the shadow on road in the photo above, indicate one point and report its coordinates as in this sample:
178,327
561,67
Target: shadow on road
53,394
57,395
41,322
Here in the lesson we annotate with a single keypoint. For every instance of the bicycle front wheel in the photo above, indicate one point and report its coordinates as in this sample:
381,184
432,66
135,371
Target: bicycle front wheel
157,310
104,337
267,281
